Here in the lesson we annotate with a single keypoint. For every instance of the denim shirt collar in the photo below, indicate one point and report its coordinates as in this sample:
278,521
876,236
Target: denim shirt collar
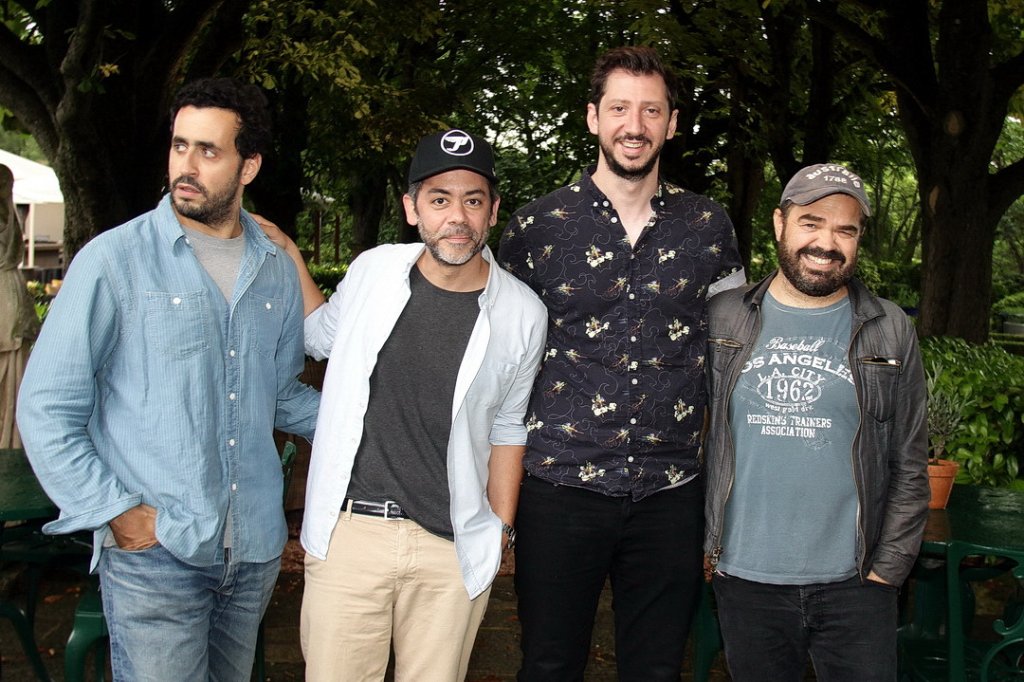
170,228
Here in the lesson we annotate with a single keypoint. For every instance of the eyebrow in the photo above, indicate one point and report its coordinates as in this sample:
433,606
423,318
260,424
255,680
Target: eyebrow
818,219
198,143
444,190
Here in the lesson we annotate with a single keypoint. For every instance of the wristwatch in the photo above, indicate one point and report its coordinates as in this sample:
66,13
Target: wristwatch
509,532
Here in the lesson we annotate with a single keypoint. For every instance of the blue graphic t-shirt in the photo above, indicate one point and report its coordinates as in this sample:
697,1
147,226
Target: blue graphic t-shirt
791,516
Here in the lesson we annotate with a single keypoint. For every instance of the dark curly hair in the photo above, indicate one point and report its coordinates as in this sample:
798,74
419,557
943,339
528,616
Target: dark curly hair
639,61
245,99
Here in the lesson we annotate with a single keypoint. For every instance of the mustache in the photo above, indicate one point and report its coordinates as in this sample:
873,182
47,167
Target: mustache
462,230
189,182
819,252
634,138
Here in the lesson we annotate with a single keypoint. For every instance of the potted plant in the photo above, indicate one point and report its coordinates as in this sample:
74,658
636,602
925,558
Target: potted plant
945,413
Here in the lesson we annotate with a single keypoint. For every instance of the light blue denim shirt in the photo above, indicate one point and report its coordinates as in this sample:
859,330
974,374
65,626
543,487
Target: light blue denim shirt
146,385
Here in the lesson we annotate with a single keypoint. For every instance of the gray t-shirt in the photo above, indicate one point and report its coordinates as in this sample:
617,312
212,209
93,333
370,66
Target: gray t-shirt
791,517
404,452
221,258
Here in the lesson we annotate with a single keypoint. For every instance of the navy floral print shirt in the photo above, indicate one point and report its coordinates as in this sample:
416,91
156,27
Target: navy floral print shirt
619,402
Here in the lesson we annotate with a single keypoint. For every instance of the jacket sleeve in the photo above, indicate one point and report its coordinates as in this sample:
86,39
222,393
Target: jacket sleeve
907,504
59,394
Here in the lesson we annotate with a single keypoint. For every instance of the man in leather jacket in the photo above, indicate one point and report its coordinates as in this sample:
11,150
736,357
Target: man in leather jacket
817,489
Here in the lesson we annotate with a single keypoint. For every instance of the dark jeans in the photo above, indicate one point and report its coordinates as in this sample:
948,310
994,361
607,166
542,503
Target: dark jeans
848,628
569,541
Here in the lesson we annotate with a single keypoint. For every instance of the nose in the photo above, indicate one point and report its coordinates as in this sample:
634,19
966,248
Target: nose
457,215
187,163
635,122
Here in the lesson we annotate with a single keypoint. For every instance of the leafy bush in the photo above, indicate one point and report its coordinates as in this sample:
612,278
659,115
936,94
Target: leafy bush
1012,305
327,276
990,441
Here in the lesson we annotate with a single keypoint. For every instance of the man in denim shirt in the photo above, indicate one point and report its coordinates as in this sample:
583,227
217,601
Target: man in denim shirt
150,399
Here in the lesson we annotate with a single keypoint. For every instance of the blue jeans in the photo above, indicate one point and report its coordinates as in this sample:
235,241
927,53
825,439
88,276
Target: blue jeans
569,541
169,620
848,629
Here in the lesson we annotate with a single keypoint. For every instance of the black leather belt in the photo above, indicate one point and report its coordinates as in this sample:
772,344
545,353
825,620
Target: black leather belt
387,510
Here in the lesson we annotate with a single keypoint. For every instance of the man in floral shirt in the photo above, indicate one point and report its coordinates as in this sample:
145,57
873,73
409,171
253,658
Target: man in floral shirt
624,263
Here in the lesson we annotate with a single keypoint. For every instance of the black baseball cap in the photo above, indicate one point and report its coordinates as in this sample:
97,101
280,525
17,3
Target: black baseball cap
451,150
822,179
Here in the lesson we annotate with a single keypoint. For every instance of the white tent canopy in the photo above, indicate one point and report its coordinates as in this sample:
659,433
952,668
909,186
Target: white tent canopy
36,187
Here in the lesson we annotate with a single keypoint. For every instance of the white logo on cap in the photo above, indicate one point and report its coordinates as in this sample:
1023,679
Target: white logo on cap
457,143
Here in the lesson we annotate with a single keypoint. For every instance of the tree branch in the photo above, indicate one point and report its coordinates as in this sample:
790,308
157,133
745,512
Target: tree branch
1005,187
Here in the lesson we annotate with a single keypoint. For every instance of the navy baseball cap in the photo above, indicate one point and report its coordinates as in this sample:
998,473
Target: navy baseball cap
451,150
822,179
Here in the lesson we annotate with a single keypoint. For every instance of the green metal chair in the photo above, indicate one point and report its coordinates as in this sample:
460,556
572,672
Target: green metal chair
939,647
90,627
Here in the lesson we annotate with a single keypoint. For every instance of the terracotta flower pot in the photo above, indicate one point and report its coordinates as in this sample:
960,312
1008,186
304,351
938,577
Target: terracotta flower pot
941,474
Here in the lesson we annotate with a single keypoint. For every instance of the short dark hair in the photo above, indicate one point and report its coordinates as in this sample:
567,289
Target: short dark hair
636,60
245,99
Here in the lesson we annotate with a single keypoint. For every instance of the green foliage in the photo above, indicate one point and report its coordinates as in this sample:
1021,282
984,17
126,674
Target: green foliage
327,276
989,384
898,282
1012,304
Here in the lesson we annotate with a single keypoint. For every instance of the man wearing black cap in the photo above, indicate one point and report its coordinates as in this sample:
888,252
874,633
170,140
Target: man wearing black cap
416,463
817,489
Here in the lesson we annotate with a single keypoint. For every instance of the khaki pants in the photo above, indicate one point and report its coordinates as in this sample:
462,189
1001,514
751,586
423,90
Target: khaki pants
387,580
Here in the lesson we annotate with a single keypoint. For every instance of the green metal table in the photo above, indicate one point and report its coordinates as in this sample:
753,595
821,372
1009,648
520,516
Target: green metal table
22,499
991,517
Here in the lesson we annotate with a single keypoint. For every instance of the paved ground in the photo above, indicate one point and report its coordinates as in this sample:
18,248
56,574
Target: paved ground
495,656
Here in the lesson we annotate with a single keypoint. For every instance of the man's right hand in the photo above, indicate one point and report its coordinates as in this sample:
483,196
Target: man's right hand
135,529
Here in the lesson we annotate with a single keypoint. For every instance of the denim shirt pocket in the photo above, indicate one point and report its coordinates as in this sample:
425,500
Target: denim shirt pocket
266,320
176,323
881,378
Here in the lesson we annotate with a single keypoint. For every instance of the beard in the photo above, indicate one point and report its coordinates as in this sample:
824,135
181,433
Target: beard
633,173
216,209
454,256
810,282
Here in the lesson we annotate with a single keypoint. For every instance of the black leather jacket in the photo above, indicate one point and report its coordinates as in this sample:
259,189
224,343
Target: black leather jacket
891,443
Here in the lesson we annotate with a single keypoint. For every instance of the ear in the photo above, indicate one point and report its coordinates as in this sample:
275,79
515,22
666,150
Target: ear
592,118
672,121
251,168
494,212
780,224
410,209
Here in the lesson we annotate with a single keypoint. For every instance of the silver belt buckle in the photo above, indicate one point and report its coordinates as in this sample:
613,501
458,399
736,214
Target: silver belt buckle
391,507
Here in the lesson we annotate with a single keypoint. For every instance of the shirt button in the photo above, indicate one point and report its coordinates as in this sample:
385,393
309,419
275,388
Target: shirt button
614,219
234,486
231,352
604,203
633,420
176,301
231,442
269,306
630,458
631,295
634,381
231,396
633,339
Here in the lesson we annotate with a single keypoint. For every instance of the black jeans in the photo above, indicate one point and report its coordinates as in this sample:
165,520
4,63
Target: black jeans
848,628
569,541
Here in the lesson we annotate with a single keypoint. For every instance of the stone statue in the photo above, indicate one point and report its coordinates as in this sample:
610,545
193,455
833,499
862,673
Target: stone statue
18,322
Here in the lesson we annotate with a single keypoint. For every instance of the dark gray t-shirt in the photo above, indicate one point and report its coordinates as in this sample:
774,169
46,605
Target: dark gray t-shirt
404,451
791,517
